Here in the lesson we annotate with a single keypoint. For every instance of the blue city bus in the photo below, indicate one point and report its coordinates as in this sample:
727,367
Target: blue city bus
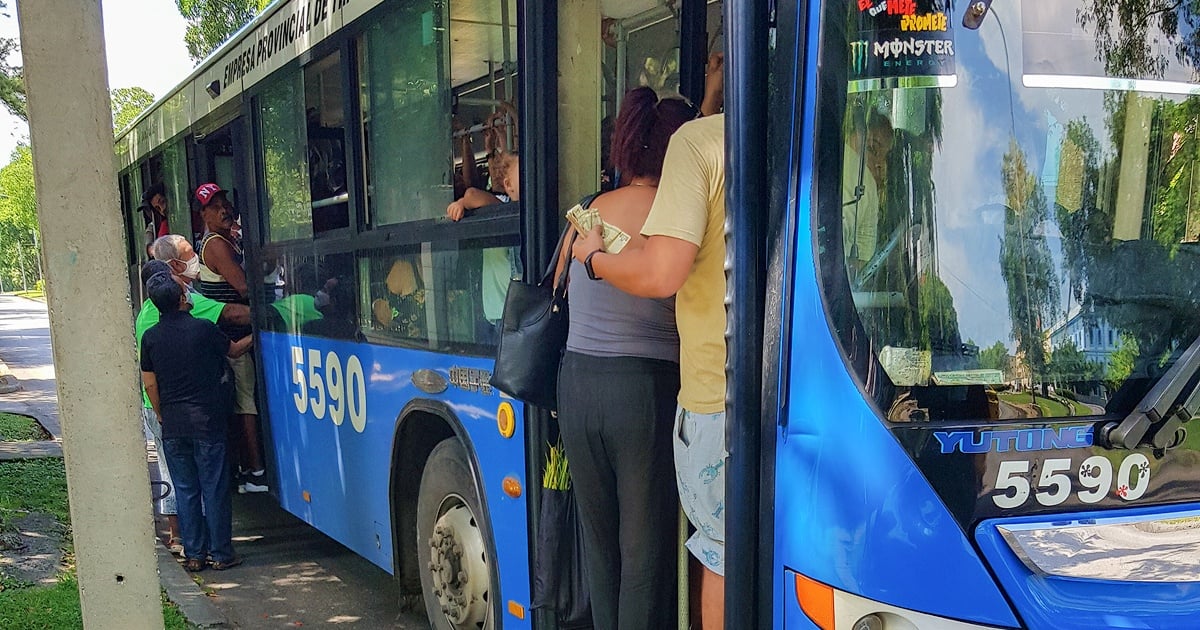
962,295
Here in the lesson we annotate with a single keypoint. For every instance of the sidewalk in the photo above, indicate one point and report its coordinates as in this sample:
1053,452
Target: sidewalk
22,450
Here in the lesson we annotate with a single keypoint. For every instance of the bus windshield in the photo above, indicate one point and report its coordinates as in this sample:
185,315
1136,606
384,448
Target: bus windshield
1019,210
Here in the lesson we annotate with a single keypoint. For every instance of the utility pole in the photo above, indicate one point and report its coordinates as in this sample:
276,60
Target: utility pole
70,120
37,251
21,262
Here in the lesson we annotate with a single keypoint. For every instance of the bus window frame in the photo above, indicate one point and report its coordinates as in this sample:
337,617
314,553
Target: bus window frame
502,222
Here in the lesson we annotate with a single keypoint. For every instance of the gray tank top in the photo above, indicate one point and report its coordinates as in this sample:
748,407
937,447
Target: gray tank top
608,322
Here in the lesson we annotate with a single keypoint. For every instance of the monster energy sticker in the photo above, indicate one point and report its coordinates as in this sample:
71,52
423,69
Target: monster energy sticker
902,43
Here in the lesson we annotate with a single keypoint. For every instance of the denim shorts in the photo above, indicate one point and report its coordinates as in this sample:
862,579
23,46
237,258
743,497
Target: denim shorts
700,455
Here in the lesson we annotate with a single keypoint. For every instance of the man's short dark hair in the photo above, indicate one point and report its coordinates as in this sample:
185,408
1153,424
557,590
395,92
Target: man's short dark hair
164,292
152,268
150,193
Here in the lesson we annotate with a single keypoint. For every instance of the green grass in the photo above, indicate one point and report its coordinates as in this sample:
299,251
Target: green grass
1080,409
1049,406
33,295
48,607
14,428
35,485
40,485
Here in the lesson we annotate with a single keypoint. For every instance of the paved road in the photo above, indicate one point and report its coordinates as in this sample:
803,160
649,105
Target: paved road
25,347
293,575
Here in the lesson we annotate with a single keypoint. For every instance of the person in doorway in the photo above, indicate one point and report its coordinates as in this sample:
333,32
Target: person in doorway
683,255
223,278
616,396
154,213
184,373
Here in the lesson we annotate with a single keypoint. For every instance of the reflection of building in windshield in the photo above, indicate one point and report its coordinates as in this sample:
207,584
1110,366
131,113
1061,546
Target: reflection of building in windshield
1091,335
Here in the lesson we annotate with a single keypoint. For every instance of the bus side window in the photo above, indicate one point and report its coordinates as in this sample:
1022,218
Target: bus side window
325,122
287,197
437,295
314,295
405,115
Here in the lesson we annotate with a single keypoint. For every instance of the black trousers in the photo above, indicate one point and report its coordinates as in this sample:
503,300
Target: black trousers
616,415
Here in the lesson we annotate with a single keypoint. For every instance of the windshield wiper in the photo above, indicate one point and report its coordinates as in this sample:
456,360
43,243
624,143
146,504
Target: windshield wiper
1156,419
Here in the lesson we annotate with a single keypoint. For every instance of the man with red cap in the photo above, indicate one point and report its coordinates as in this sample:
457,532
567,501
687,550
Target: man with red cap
223,278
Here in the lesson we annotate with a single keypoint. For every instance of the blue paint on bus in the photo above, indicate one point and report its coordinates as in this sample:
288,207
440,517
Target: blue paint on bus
346,473
1059,603
851,509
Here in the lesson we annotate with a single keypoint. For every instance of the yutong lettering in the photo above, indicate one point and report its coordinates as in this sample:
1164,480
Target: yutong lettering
1015,440
273,38
912,48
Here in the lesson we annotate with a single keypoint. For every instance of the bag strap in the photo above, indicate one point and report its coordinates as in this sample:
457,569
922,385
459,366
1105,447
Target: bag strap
560,285
549,273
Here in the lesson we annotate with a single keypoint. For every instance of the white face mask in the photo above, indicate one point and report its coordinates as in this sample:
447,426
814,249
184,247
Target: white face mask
192,268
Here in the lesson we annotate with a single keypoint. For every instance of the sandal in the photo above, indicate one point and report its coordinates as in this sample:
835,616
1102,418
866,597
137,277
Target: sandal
175,546
221,566
193,565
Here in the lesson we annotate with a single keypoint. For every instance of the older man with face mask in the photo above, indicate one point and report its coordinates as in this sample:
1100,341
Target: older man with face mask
185,266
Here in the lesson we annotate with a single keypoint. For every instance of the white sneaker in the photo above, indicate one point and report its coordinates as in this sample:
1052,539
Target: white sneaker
250,486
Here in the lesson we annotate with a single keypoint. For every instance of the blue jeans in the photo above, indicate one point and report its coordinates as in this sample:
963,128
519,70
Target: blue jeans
200,470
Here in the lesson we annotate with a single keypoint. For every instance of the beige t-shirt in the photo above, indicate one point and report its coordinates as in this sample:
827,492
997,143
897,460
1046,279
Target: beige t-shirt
690,206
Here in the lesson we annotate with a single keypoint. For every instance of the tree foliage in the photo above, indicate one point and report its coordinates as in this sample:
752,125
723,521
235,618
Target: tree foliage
994,357
1131,35
211,23
1068,364
1025,260
12,83
18,221
127,104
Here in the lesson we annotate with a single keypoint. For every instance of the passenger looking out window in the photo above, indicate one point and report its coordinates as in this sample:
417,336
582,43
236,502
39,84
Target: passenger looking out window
500,264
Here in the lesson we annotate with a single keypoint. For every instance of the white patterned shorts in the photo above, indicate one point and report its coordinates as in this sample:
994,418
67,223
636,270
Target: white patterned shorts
153,430
700,456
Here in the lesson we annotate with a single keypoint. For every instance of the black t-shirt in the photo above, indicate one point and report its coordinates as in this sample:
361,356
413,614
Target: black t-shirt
187,357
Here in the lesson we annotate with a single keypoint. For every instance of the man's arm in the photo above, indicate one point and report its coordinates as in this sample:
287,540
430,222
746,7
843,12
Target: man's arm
150,382
240,347
656,270
472,199
218,256
235,315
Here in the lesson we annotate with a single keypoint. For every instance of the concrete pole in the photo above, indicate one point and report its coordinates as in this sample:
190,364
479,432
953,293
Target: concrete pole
70,119
579,73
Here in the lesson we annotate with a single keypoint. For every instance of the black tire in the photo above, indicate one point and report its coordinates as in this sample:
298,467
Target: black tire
457,579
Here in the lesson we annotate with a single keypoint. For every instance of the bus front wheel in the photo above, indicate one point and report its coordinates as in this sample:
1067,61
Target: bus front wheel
456,568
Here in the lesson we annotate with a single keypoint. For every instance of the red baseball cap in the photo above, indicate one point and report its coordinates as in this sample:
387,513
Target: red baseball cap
206,192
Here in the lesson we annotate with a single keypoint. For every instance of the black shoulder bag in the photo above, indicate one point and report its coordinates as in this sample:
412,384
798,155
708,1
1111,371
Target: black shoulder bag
533,333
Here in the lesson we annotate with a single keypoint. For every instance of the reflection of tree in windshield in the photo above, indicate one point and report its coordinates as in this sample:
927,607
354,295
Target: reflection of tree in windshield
1127,34
1025,261
1130,221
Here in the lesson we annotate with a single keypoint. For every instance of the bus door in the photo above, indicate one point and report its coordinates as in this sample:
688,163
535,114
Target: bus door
220,158
641,43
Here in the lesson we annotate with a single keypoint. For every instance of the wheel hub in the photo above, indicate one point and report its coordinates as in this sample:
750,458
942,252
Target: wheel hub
458,565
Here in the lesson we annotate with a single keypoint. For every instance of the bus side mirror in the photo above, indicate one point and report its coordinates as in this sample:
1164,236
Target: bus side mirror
975,13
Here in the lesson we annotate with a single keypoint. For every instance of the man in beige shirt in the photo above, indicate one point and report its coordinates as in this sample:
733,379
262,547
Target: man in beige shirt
684,256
